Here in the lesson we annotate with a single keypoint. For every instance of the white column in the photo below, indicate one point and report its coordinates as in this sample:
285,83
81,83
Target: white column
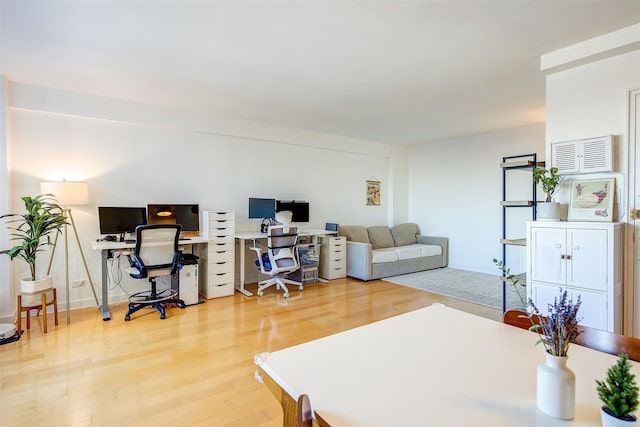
7,294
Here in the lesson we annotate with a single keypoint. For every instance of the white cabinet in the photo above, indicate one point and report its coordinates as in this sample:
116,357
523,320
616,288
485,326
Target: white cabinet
333,257
583,155
217,279
585,258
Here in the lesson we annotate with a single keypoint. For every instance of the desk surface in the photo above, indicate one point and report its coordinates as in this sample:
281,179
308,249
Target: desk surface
434,366
250,235
103,244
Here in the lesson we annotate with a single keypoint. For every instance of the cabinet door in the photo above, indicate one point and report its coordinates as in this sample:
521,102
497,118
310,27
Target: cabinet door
565,157
548,246
587,259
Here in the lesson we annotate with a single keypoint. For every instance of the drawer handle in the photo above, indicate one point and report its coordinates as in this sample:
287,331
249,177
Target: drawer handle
565,256
557,246
220,274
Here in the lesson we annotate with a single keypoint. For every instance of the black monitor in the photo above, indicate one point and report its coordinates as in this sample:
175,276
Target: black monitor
299,209
187,215
120,220
262,208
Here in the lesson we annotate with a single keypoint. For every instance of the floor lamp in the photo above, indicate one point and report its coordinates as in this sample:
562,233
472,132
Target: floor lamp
69,194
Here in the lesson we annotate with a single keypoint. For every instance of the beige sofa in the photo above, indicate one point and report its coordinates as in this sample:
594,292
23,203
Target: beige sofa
380,251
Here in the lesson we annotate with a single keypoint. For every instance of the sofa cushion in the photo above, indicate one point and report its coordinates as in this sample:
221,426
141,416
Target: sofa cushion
404,234
404,252
355,233
380,237
430,250
409,251
384,255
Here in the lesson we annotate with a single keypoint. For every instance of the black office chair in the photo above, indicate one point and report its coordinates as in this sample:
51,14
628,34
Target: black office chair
156,254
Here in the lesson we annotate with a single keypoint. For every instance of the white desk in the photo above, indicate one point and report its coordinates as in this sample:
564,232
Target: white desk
242,238
105,247
434,366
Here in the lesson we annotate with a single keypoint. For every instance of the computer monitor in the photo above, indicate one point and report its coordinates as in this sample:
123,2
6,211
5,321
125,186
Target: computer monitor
299,209
262,208
187,215
120,220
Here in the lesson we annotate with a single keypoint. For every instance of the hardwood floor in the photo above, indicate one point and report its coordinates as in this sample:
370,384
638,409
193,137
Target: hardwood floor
193,368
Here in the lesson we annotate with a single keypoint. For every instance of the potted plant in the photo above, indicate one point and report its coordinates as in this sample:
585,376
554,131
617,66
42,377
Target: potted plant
549,180
32,230
619,393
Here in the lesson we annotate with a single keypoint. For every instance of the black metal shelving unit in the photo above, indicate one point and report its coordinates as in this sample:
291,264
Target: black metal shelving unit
526,163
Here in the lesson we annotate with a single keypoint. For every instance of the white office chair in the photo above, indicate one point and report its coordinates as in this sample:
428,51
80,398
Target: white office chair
280,258
156,254
284,217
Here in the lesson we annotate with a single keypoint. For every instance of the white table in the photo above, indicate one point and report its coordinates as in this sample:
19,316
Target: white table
433,366
105,247
243,237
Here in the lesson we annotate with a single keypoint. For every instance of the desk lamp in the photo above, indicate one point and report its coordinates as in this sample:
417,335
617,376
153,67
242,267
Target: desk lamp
69,194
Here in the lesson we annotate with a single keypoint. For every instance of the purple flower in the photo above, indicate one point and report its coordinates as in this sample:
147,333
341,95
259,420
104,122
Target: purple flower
559,328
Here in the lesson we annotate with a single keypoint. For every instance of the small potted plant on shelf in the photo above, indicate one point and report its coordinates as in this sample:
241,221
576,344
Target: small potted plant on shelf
549,180
619,393
32,231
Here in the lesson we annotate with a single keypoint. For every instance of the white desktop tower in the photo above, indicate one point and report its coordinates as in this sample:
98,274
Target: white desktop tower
187,284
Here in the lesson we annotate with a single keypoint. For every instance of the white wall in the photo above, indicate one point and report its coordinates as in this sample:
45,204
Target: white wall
455,188
133,154
591,100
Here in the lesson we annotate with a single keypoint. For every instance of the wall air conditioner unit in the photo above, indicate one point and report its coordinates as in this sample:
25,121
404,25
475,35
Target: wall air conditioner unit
583,155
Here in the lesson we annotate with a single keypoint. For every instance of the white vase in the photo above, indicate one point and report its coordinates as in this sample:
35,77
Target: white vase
556,388
611,421
548,211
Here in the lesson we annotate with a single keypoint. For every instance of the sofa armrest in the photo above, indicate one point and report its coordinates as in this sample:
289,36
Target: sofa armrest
359,259
443,242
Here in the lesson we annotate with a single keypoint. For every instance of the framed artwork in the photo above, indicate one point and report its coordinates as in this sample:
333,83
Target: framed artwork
592,200
373,193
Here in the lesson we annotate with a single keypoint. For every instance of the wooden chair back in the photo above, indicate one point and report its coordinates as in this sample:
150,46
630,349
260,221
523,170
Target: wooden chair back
596,339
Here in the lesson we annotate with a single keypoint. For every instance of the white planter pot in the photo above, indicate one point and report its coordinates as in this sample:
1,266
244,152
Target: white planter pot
556,388
42,283
31,290
548,211
611,421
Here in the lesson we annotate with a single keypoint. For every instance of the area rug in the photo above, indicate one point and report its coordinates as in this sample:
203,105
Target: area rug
479,288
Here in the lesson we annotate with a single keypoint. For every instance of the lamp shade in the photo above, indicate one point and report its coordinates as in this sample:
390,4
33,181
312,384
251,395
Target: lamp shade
66,192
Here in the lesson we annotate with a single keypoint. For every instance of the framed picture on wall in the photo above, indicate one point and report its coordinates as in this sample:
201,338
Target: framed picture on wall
592,200
373,193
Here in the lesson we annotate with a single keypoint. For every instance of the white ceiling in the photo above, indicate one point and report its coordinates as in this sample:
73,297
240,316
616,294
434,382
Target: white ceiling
390,71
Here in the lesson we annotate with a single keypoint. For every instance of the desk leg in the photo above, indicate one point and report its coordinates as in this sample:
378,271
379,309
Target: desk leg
104,308
240,288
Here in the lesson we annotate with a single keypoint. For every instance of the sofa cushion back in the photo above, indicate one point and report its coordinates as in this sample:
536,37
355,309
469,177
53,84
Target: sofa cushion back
380,237
355,233
405,234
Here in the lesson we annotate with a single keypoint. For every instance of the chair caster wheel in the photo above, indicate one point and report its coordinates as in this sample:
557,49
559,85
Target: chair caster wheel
286,295
260,293
163,316
127,318
183,305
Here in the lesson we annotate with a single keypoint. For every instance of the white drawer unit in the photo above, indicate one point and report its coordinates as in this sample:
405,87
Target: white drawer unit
217,279
333,257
